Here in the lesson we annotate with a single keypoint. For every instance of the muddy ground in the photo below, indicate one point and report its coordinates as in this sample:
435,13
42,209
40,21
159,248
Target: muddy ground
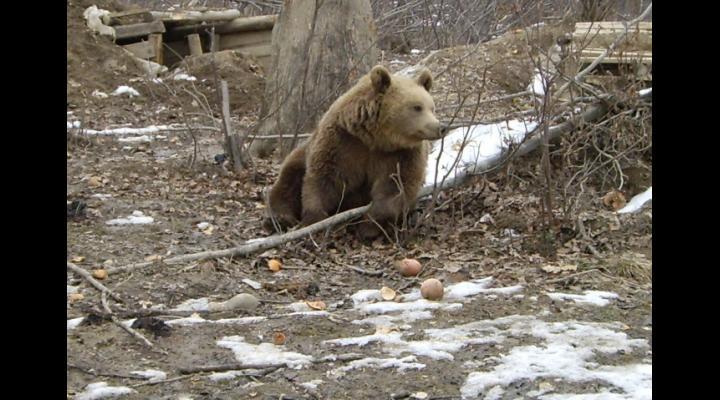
176,179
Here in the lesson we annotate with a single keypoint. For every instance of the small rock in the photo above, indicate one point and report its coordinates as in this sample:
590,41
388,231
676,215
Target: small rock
242,301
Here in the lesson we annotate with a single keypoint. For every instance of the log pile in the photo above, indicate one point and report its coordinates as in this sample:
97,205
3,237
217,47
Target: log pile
168,37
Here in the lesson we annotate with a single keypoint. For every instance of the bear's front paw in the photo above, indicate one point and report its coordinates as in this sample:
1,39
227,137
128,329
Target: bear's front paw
368,231
310,217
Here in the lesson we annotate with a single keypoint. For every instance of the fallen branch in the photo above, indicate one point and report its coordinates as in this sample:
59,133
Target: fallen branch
99,286
240,366
117,322
258,245
365,272
177,378
583,233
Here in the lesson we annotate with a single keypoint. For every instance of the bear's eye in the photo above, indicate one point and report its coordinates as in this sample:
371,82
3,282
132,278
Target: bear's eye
417,108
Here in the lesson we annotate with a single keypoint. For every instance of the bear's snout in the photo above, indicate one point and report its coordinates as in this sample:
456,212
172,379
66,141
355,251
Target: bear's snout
444,128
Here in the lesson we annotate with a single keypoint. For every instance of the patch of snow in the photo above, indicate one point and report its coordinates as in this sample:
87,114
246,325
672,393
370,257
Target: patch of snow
102,196
130,92
594,297
402,364
184,77
482,142
253,284
203,225
153,375
537,86
263,353
72,289
99,94
136,218
566,355
73,323
637,202
101,390
200,304
312,385
136,139
643,92
196,319
416,51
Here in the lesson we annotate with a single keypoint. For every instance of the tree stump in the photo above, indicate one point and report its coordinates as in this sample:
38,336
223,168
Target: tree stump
319,49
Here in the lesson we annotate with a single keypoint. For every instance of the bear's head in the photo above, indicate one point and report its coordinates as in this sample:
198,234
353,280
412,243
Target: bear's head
406,109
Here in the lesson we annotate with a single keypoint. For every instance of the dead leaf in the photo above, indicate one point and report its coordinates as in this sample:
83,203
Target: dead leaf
452,267
153,258
614,200
384,330
76,297
553,269
95,181
316,305
99,274
274,265
209,230
77,259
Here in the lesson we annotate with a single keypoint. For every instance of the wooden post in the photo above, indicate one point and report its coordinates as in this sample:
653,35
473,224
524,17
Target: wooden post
232,141
215,43
194,44
157,42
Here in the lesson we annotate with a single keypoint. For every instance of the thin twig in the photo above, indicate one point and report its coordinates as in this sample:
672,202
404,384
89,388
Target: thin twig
366,272
97,285
117,322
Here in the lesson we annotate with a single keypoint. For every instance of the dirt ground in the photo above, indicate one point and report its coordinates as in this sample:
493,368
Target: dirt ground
176,179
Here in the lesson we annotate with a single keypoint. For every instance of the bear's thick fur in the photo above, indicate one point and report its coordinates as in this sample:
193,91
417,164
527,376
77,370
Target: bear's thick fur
371,145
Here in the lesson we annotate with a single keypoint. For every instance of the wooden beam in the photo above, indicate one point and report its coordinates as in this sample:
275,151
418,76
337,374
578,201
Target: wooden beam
237,39
137,30
144,50
194,44
261,22
259,50
196,16
128,17
157,43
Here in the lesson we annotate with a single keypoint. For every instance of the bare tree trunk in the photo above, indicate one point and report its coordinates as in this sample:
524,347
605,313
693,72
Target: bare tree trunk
320,48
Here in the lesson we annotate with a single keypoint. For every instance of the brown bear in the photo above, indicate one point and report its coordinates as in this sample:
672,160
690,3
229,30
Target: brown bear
371,145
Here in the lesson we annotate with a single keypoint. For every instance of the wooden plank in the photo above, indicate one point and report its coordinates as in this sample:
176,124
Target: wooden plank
144,50
194,44
627,57
259,23
128,17
237,39
156,40
196,16
137,30
215,43
258,50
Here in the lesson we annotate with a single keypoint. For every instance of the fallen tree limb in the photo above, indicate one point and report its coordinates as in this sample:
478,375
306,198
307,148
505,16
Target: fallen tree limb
257,244
240,366
97,285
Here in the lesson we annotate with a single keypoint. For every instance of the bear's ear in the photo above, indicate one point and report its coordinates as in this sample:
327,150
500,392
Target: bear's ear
425,79
380,77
